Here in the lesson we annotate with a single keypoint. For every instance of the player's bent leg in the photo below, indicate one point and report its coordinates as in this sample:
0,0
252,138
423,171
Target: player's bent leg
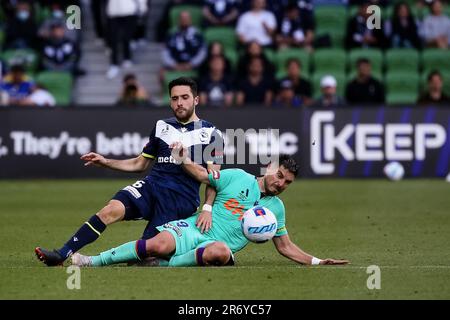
89,232
217,254
114,211
161,245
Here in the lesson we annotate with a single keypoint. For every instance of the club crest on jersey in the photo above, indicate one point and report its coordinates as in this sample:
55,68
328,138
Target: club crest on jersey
203,135
165,130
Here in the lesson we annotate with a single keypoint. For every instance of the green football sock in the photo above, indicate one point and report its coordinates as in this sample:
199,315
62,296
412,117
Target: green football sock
124,253
187,259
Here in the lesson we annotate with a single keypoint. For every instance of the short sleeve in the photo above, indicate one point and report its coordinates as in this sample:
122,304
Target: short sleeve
217,146
221,179
275,205
151,148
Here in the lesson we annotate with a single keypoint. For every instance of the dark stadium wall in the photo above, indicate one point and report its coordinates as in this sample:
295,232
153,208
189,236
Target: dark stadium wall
348,142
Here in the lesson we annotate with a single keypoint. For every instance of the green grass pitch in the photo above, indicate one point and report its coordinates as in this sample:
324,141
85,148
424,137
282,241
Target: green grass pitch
402,227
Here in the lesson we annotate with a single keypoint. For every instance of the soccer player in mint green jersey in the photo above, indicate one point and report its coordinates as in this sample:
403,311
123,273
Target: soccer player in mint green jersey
181,243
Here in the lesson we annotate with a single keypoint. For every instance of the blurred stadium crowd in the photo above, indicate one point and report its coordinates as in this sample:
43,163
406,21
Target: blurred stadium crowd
319,53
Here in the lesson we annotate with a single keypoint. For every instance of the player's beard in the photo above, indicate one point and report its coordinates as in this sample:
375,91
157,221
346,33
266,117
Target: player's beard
186,114
269,192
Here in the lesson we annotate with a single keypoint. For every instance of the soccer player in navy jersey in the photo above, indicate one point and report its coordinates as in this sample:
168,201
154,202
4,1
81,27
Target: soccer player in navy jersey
167,193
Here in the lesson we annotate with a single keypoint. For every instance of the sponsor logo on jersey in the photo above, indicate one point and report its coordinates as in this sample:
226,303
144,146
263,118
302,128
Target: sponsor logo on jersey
167,160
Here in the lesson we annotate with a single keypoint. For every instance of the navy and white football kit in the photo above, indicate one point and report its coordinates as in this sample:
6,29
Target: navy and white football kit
168,192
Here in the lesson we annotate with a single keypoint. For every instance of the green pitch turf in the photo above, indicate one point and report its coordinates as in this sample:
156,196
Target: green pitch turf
404,228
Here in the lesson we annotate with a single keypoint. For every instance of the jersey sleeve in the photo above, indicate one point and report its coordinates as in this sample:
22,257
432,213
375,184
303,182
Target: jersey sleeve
217,146
280,213
275,205
151,148
221,179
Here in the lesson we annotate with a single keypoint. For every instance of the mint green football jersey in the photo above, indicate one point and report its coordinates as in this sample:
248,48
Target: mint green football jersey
238,191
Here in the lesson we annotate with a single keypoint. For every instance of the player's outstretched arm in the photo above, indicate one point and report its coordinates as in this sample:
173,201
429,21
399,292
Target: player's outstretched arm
291,251
204,220
138,164
180,154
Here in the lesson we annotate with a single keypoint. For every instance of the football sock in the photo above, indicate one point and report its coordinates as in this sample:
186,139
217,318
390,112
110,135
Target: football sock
89,232
141,249
188,259
124,253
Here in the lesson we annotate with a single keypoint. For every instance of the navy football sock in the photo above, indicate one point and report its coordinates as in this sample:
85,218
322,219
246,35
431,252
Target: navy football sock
89,232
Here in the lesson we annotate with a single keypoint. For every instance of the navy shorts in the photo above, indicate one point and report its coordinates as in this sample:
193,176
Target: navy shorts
154,203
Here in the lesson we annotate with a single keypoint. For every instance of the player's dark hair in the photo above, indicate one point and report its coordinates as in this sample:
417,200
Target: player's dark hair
289,163
184,81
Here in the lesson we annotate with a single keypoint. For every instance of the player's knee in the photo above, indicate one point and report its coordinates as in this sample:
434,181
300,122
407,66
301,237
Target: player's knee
158,247
114,211
217,254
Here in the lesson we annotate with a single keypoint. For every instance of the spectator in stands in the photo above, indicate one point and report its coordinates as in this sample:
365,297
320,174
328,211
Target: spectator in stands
21,29
293,31
58,15
164,23
216,87
98,11
257,25
364,89
8,7
217,13
17,84
39,97
358,34
286,96
215,49
131,79
133,93
437,27
254,50
403,32
434,94
122,18
329,98
302,87
140,33
255,88
59,53
185,48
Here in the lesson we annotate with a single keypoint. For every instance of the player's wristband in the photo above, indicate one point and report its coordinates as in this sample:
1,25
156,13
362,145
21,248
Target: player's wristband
207,207
315,261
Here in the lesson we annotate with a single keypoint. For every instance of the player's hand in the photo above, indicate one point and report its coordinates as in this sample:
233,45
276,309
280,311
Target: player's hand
333,262
179,152
204,221
93,158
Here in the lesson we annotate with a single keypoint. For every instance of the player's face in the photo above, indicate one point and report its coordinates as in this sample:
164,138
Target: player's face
183,103
277,180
